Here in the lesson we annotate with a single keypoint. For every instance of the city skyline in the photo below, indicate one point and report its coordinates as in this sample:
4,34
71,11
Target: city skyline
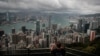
32,27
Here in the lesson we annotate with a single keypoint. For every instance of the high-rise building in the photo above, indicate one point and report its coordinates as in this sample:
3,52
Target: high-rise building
86,27
1,32
92,35
47,40
93,25
88,32
98,21
54,26
15,38
13,31
23,29
43,27
80,25
37,27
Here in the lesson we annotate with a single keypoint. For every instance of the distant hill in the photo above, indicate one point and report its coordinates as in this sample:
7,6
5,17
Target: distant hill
89,15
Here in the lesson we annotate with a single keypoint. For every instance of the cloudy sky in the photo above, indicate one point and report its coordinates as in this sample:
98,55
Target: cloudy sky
52,6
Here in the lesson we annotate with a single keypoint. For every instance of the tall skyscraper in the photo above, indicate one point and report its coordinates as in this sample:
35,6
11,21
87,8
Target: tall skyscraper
23,29
47,40
92,35
86,27
80,25
37,27
93,25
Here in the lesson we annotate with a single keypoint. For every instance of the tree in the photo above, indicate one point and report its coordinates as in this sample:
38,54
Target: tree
90,49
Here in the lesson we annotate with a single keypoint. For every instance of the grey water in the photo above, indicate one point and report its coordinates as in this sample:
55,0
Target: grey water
31,25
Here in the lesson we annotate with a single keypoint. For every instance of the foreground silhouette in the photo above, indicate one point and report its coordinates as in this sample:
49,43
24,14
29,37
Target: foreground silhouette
57,49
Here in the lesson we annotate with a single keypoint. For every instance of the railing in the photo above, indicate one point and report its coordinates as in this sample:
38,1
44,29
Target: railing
42,52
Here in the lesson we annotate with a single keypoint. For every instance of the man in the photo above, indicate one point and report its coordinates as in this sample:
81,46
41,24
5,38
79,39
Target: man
57,49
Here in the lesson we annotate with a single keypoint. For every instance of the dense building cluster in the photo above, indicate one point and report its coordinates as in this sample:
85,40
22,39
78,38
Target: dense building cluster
81,31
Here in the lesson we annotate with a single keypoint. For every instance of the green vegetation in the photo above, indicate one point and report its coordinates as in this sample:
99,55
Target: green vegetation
95,46
91,47
78,46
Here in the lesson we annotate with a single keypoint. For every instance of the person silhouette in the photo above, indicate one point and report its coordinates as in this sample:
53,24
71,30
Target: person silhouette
57,49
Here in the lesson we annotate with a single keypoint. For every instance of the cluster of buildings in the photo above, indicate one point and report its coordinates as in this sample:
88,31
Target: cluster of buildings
87,27
42,36
9,18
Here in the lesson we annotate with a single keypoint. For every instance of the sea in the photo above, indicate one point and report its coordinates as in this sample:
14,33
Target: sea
62,22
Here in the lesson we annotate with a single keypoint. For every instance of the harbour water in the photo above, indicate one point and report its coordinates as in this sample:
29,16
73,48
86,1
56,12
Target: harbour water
31,25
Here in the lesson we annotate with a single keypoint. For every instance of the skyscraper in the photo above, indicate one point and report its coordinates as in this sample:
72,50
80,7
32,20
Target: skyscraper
93,25
24,29
47,40
86,27
80,25
37,27
92,35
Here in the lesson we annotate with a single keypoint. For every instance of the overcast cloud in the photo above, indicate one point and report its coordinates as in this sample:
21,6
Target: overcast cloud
52,6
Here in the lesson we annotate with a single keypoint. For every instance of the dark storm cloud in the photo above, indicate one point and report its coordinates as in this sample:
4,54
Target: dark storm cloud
52,6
